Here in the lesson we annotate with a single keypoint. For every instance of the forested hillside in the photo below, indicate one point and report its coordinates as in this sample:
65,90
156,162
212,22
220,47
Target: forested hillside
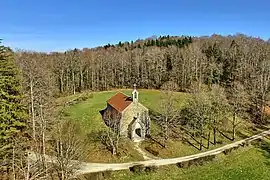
229,61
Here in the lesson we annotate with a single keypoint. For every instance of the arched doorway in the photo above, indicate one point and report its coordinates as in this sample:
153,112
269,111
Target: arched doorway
138,131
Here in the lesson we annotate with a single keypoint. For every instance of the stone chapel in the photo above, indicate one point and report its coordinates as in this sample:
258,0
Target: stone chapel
126,115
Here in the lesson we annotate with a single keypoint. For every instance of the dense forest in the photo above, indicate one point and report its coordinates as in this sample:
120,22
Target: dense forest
239,64
150,63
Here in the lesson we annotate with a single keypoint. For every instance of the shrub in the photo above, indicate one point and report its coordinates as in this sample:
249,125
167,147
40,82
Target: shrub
137,168
150,169
94,176
257,142
198,162
99,136
90,95
98,175
65,113
84,97
236,147
227,151
191,162
106,174
208,158
184,164
211,158
245,143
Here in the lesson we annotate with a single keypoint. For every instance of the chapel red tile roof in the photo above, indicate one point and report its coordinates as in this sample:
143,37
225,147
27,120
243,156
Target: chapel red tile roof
120,101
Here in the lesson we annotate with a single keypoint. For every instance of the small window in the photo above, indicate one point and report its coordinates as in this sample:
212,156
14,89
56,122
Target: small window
135,95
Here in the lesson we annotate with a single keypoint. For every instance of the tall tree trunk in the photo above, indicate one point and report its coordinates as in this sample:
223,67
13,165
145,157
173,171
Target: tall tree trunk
87,79
201,139
214,135
81,80
214,132
200,77
43,128
92,80
32,110
61,81
73,83
262,107
27,175
234,125
208,139
13,161
166,128
122,73
67,82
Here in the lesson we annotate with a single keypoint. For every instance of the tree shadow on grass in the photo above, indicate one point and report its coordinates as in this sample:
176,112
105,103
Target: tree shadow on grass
265,149
191,144
242,135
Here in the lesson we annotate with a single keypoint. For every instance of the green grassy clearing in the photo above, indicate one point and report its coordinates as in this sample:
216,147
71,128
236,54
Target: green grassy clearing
176,147
249,163
86,113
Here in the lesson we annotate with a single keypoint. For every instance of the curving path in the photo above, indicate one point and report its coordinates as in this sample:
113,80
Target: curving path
146,155
97,167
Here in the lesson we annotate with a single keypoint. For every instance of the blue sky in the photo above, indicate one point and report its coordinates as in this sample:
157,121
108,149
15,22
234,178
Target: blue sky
57,25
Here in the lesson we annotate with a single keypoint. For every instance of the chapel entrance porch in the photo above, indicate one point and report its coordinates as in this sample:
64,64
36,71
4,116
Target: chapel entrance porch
137,131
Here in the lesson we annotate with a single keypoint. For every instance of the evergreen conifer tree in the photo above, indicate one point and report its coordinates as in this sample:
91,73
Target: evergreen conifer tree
12,111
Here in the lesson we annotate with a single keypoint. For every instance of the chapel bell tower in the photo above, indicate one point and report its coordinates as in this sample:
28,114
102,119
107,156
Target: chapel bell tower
135,94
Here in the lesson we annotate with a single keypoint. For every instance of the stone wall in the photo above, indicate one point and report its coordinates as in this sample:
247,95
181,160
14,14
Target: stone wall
133,110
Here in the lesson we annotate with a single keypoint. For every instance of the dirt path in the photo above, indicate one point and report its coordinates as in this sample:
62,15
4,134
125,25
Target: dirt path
97,167
146,155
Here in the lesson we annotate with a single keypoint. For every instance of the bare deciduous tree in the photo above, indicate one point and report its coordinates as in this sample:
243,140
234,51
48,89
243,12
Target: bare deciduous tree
219,108
197,115
238,99
168,106
70,150
112,136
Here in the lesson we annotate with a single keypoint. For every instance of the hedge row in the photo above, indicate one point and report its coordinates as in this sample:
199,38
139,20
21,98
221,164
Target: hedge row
197,162
141,168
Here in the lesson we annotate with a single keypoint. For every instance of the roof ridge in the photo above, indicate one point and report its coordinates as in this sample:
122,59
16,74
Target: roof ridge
120,101
119,92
